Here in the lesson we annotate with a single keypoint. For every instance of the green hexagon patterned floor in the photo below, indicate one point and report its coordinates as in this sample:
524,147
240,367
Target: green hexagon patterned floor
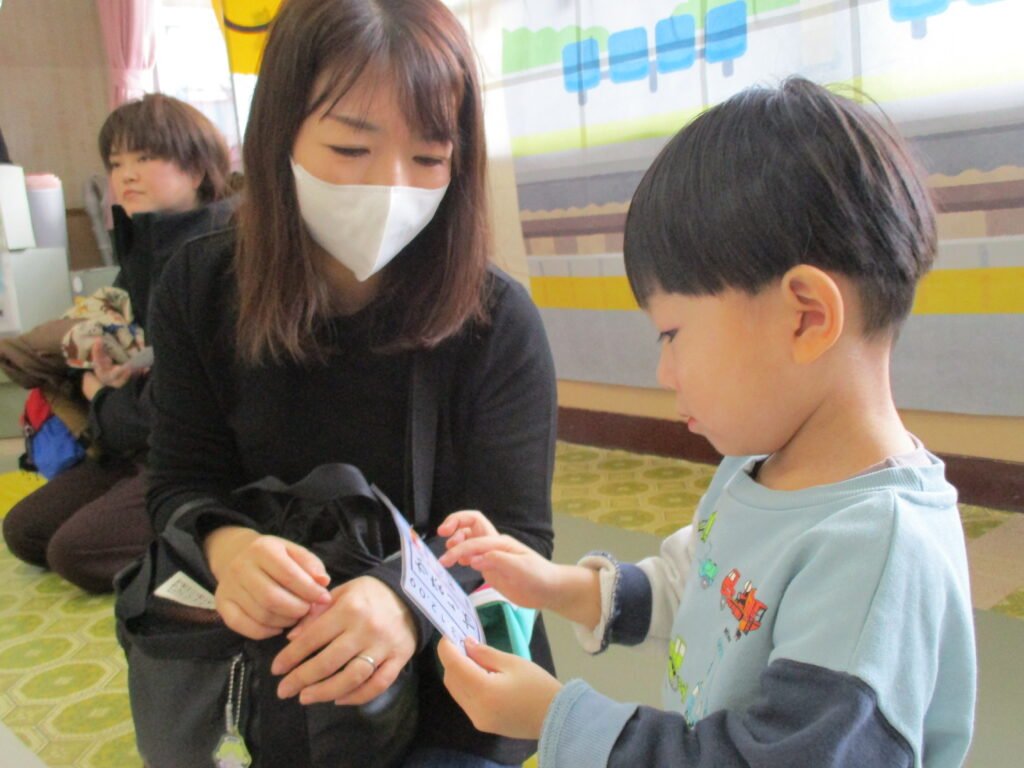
63,689
62,675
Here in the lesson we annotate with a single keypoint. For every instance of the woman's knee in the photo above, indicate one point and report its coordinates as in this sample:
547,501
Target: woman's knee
78,562
89,554
25,537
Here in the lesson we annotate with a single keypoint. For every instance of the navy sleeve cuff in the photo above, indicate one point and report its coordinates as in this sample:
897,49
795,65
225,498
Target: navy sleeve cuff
631,607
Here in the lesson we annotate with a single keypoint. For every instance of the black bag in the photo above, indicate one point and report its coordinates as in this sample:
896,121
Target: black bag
193,682
190,677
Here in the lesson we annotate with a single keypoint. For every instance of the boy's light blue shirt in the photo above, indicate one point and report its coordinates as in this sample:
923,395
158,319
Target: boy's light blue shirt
857,589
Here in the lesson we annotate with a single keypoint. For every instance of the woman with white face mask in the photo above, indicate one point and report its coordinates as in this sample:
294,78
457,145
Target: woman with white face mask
361,250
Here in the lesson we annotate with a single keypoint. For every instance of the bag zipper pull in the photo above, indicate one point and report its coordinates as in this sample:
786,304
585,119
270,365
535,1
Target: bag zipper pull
231,751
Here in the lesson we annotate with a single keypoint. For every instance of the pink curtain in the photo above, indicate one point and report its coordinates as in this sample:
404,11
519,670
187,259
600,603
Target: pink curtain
128,35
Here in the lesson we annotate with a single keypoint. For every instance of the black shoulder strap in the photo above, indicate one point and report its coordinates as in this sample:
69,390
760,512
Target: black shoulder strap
324,483
422,435
137,581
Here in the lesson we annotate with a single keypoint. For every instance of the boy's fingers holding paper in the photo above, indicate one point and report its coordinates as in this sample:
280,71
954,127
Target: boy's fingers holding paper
466,524
511,699
486,657
462,675
464,552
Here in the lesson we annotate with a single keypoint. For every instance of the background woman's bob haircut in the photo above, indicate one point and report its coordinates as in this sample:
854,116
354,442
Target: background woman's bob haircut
170,130
776,177
316,50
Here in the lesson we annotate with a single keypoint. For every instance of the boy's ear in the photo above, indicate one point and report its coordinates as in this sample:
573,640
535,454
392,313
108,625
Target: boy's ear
814,306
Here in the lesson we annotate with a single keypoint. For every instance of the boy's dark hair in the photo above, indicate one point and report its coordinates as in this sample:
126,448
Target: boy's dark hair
171,130
773,178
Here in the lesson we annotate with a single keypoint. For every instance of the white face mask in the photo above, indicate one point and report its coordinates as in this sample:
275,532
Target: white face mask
363,227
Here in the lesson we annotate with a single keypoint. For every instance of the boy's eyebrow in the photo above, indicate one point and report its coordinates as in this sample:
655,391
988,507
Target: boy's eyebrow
358,123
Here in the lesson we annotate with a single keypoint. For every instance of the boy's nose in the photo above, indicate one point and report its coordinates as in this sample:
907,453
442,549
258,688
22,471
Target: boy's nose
664,373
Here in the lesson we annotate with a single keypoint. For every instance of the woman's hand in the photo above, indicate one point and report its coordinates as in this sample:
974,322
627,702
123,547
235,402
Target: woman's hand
500,692
351,651
106,371
90,385
264,583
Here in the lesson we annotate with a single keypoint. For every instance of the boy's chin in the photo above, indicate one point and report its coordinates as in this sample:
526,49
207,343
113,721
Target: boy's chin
725,446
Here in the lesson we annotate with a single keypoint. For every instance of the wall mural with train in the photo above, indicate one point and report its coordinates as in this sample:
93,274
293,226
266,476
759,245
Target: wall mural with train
588,91
594,88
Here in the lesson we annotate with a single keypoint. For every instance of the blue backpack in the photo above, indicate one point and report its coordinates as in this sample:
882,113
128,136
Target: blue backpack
50,448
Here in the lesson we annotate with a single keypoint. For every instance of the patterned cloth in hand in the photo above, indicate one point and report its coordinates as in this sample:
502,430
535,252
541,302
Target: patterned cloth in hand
105,316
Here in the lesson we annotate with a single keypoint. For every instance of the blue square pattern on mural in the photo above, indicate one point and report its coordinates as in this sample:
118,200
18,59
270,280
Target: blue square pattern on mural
725,32
913,10
675,43
581,65
628,55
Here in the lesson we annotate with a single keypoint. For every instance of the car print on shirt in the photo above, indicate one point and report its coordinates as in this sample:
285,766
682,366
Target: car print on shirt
676,652
707,568
745,607
707,571
695,705
704,526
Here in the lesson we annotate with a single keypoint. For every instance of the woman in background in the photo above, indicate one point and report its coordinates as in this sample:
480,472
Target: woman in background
168,169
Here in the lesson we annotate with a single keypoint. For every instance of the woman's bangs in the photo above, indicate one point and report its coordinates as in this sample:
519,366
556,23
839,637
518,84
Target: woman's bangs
141,134
429,84
430,92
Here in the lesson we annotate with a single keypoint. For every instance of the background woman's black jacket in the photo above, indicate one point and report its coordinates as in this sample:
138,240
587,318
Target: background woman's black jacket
119,419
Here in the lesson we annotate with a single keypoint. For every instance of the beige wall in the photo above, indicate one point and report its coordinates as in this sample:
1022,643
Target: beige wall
982,436
53,88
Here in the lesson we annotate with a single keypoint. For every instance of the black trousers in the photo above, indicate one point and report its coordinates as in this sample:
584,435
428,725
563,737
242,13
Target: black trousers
85,524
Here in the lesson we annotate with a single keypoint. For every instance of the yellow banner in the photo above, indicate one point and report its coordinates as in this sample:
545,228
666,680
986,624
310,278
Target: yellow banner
244,24
991,291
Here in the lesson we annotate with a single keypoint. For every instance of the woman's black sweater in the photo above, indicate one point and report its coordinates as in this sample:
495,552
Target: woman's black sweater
220,424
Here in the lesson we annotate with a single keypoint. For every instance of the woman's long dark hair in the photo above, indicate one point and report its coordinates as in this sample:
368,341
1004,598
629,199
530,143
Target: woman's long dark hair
421,48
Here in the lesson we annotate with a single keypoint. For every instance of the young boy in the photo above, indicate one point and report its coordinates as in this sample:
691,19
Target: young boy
817,613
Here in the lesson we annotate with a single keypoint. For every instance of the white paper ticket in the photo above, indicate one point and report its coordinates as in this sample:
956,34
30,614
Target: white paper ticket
429,585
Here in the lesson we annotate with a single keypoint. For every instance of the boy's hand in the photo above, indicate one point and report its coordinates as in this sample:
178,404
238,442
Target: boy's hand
467,524
519,573
500,692
511,567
